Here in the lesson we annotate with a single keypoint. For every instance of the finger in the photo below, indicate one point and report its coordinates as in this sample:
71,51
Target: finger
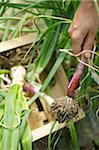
77,40
89,43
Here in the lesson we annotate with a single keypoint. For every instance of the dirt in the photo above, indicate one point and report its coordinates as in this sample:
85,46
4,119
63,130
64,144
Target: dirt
17,56
65,109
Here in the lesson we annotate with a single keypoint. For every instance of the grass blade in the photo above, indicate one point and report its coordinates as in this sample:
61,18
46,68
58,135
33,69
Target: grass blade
27,138
8,116
24,121
53,70
73,135
45,54
16,132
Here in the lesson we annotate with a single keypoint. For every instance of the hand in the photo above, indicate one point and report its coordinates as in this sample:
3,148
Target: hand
84,27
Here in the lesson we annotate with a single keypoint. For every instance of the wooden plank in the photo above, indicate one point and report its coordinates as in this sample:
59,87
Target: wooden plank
60,87
43,116
17,42
45,129
61,75
46,109
35,118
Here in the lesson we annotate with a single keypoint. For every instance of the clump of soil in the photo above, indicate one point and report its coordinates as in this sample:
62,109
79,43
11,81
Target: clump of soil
65,109
16,56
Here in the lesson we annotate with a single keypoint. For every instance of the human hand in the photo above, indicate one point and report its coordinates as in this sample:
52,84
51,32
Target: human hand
84,27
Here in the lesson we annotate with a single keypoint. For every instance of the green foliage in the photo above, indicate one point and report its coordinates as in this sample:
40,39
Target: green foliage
56,17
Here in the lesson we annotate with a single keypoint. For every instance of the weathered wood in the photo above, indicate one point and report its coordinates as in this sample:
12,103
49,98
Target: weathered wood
46,109
17,42
60,87
45,129
35,118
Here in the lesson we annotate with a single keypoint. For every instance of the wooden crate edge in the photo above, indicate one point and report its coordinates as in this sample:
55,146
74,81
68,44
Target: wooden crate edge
17,42
45,129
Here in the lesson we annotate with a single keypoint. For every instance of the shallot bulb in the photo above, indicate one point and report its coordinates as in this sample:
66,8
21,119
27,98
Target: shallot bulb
18,74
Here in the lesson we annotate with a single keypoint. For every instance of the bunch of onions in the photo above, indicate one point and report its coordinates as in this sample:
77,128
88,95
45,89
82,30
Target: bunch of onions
63,109
15,126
